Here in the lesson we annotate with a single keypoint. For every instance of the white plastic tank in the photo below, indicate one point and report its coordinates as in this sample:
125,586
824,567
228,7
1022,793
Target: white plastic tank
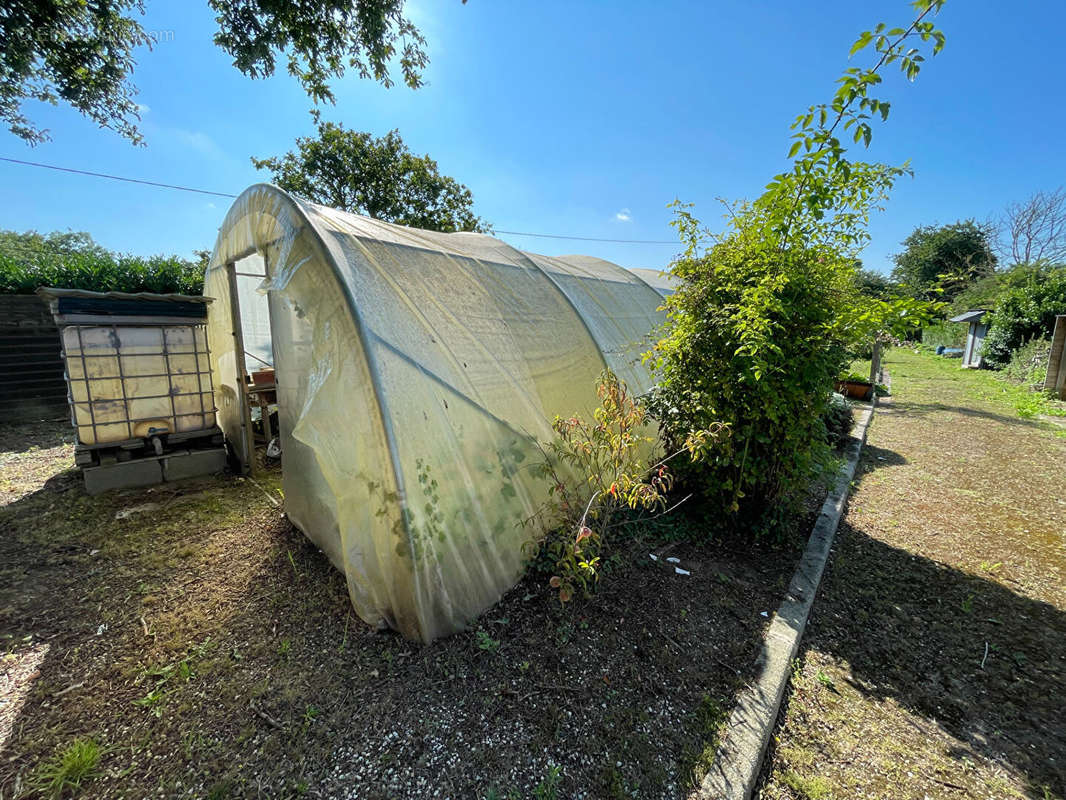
130,382
137,365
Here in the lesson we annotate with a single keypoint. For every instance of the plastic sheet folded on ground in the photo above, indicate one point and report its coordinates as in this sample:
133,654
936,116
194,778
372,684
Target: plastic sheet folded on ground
416,372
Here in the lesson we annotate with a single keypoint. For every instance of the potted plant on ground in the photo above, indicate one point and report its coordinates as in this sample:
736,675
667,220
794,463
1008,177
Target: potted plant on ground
855,386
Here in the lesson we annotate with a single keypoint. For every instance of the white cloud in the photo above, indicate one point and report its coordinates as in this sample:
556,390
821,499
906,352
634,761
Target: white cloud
624,215
142,109
198,141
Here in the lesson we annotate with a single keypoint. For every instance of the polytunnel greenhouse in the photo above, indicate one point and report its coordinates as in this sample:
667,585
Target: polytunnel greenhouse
415,373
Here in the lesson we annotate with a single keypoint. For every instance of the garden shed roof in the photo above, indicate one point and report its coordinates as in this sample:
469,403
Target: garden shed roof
51,293
970,316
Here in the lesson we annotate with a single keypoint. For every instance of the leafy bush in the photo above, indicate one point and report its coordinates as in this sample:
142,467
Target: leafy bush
854,377
754,343
1028,364
763,319
985,293
1025,312
75,261
599,468
838,420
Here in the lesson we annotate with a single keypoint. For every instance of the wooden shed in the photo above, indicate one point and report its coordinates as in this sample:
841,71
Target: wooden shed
1056,368
32,386
975,337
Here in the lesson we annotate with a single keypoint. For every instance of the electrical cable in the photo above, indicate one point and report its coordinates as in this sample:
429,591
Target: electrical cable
226,194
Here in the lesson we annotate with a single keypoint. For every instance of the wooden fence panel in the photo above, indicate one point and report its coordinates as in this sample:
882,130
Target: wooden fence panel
32,386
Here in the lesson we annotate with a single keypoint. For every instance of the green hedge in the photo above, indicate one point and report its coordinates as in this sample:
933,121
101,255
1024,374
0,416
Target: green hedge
75,261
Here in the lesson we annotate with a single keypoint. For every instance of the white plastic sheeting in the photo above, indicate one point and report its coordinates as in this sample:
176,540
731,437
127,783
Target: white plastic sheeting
250,275
662,282
416,371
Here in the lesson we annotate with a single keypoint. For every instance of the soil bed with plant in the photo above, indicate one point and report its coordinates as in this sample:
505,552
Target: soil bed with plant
186,640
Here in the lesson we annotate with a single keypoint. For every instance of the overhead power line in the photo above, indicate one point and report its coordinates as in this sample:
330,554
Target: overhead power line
114,177
226,194
31,251
588,238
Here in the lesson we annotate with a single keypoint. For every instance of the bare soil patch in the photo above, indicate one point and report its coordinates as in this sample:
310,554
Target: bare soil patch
210,650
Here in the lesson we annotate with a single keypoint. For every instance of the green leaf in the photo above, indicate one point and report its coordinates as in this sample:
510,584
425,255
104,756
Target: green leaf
860,43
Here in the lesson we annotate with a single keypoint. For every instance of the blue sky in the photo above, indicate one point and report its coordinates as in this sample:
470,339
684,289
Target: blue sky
582,119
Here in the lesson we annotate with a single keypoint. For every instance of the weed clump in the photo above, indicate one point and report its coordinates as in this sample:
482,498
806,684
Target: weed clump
68,770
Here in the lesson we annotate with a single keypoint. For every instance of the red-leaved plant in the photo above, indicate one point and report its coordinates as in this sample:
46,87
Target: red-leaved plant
598,468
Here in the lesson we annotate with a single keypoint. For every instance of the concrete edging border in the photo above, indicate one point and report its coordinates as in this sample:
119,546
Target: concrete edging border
738,760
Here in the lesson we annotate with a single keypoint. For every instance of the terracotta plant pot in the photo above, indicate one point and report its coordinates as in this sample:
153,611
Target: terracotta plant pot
856,390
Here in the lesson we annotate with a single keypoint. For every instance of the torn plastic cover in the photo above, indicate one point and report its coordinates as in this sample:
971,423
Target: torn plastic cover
416,371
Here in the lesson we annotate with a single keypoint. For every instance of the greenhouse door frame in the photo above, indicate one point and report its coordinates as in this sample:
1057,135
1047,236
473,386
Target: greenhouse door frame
244,449
242,442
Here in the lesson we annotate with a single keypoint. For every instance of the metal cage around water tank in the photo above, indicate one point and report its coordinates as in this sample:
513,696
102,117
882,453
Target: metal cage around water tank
139,385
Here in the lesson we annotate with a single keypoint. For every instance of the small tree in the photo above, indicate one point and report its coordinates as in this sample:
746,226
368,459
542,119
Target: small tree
763,316
942,261
379,177
598,469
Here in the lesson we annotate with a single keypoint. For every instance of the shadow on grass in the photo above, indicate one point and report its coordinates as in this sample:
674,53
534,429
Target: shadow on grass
915,630
203,627
22,437
876,458
912,409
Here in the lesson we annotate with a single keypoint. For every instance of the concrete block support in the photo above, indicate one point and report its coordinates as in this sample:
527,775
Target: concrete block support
155,469
122,475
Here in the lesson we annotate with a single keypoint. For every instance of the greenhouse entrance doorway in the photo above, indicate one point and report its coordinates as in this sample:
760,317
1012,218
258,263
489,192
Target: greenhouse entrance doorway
253,424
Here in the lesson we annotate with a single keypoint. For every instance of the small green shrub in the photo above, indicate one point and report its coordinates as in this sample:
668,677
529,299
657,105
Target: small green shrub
838,419
486,642
548,788
65,772
1028,364
854,377
598,468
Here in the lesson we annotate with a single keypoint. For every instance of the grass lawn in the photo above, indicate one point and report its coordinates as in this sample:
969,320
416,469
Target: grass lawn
186,640
934,665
